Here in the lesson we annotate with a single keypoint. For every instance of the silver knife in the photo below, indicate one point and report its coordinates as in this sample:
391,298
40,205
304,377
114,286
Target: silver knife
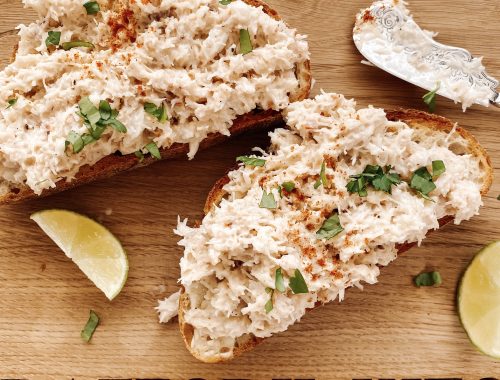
388,37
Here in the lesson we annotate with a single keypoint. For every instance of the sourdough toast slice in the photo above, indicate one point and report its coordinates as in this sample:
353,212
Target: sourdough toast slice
114,164
425,123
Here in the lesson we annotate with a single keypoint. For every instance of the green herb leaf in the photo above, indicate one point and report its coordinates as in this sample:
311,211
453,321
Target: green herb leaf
90,327
11,102
116,124
225,2
322,177
53,39
428,279
288,186
382,183
421,181
269,304
375,176
97,132
330,228
268,200
160,113
298,284
152,148
279,282
430,98
438,168
105,110
88,139
245,42
139,155
76,141
74,44
89,111
92,7
251,161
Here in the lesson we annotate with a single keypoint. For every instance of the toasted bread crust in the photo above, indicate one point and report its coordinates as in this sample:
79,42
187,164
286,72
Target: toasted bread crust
114,164
415,119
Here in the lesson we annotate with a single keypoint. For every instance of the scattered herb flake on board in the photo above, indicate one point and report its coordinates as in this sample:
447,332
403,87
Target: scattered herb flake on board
330,228
279,282
498,198
298,284
74,44
53,39
430,98
268,200
92,8
251,161
90,327
428,279
245,42
152,148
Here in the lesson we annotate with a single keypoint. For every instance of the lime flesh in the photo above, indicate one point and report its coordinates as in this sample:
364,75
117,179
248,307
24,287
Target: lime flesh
94,249
479,300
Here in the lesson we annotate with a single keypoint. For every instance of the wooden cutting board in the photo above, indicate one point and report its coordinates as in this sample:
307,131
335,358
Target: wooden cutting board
391,330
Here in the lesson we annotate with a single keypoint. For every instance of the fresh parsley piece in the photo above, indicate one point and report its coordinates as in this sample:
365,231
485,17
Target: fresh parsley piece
422,182
152,148
428,279
53,39
139,155
430,98
269,304
89,111
438,168
92,8
225,2
160,113
268,200
245,42
88,139
380,178
116,124
288,186
11,103
322,180
105,110
74,44
298,284
330,228
90,327
279,282
251,161
76,141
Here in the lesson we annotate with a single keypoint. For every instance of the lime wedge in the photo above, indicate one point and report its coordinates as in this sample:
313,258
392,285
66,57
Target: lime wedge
92,247
479,300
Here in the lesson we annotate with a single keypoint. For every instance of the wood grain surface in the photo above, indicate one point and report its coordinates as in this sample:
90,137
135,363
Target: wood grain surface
390,330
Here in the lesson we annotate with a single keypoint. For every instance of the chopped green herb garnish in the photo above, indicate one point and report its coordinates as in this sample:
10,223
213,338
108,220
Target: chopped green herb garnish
288,186
90,327
152,148
279,282
92,7
53,39
76,141
322,180
160,113
438,168
430,98
421,181
225,2
245,42
269,304
89,111
116,124
330,228
268,200
498,198
139,155
11,102
375,176
105,110
88,139
298,284
251,161
428,279
75,44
